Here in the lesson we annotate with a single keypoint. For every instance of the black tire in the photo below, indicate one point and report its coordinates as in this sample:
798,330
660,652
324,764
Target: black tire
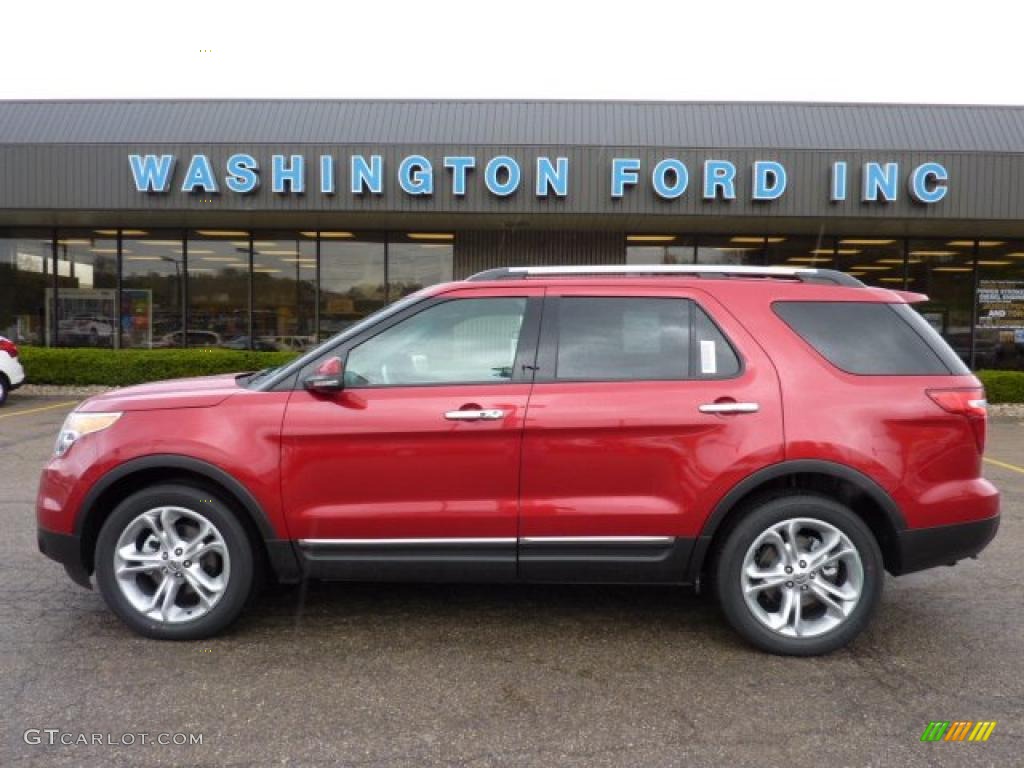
728,565
5,389
243,563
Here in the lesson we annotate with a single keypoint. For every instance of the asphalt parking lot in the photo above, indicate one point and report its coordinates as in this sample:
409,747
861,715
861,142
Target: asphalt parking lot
369,675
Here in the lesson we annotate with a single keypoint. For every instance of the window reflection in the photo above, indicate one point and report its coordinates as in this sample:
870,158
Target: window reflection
284,290
659,249
218,289
801,251
944,270
874,261
26,262
418,259
736,250
87,289
153,282
352,279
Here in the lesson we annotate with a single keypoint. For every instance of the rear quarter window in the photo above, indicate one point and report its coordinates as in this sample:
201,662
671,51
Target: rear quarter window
871,338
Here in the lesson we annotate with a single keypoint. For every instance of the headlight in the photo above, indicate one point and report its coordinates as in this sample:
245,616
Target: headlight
78,425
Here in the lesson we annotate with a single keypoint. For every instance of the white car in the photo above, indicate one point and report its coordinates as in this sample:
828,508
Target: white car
12,375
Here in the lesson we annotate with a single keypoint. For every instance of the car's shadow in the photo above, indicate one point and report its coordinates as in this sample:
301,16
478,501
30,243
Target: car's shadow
321,606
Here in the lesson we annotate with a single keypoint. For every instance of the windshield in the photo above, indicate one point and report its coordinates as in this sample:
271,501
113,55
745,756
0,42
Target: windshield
268,377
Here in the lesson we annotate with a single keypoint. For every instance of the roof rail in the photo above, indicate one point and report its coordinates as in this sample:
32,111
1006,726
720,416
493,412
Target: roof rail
804,274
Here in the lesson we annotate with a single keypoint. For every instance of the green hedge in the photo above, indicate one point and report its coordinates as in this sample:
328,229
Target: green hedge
1003,386
135,366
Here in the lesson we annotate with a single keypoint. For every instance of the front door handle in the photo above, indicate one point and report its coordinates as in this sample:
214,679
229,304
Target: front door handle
729,408
486,414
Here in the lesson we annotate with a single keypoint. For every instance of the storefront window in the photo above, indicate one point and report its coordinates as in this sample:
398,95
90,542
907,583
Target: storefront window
284,290
735,250
799,251
944,270
999,336
353,281
218,289
659,249
153,281
26,269
874,261
87,288
418,259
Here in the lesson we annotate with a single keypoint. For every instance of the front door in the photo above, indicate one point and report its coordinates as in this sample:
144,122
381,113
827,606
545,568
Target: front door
645,409
412,471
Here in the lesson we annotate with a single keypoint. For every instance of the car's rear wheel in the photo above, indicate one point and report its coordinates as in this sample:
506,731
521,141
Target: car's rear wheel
5,388
174,563
799,575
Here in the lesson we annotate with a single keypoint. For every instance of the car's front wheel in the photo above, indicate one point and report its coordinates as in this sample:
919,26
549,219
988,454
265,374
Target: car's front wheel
800,575
174,563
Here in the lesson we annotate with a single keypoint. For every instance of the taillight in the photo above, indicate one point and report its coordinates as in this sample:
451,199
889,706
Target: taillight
966,402
8,346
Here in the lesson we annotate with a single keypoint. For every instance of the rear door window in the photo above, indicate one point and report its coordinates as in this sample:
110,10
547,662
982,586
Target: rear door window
871,338
638,338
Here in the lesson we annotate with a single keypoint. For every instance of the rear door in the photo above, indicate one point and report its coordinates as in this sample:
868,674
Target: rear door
646,408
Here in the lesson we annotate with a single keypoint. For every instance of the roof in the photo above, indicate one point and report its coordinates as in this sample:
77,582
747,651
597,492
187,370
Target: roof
892,127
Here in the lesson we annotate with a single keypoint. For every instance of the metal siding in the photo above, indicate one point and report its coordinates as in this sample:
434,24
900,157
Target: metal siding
76,177
726,125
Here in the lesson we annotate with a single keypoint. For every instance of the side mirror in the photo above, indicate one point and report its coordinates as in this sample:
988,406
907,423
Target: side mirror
329,377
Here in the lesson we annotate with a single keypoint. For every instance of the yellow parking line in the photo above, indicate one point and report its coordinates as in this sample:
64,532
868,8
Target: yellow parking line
37,410
1004,465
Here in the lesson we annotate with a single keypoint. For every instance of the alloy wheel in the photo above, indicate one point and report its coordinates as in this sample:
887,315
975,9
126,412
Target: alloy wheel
802,577
172,564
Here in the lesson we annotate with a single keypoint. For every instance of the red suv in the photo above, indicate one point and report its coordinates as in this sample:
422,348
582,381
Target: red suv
781,435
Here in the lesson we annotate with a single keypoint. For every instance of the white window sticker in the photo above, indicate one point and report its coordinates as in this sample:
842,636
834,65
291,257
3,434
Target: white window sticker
708,363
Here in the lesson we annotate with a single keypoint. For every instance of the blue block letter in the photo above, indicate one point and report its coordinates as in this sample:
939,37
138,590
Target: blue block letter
769,180
199,174
459,165
326,174
512,174
242,176
151,173
719,174
366,176
624,171
838,181
293,176
552,178
880,179
416,175
928,182
660,176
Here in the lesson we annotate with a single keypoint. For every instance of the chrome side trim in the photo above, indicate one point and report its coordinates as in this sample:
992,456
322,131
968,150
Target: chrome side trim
400,542
494,540
597,539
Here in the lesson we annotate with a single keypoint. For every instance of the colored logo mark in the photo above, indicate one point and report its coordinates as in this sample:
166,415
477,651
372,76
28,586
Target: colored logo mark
958,730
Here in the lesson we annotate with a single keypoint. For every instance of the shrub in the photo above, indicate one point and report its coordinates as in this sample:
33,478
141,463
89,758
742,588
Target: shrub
110,367
1003,386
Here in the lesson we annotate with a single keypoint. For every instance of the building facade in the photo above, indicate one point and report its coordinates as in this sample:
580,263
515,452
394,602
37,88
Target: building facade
270,224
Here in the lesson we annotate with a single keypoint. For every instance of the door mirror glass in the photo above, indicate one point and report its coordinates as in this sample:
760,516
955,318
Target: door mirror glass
329,377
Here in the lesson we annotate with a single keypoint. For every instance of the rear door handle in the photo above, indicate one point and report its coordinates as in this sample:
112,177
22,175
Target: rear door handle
487,414
729,408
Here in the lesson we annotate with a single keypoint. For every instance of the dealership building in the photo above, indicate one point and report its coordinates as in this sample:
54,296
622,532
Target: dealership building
269,224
